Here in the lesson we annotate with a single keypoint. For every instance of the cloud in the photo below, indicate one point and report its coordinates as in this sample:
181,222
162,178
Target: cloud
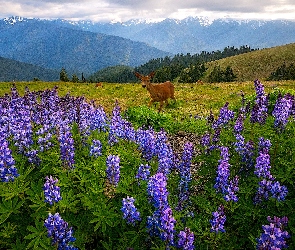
123,10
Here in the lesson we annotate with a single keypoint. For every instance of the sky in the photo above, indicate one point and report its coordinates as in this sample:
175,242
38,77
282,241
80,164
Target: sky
152,10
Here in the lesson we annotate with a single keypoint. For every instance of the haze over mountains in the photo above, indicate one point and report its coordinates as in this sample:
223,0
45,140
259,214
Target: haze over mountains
87,47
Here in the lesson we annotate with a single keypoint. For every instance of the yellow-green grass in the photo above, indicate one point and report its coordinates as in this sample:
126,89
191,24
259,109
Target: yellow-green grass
257,64
191,99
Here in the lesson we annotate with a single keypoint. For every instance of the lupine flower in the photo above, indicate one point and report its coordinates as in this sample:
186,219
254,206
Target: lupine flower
59,232
282,111
247,155
185,174
66,141
216,136
219,218
167,224
99,119
120,128
130,213
274,235
95,148
222,171
44,142
51,191
239,125
222,184
153,224
8,171
162,222
264,144
157,190
225,115
113,169
262,167
186,239
143,172
33,157
232,188
239,144
146,140
259,111
262,191
205,140
278,191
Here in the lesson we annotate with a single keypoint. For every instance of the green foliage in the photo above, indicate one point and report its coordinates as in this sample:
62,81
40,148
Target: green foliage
219,75
63,76
283,72
119,74
75,78
192,74
145,117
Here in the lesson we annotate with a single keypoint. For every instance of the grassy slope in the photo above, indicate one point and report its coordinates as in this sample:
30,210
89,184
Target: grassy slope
191,99
257,64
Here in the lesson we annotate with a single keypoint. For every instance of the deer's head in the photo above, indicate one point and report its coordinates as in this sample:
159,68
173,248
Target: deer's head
145,80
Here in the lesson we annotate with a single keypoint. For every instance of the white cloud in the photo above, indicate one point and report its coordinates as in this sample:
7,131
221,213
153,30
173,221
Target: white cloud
123,10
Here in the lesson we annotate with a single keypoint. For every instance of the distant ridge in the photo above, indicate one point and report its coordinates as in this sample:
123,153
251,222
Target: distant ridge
12,70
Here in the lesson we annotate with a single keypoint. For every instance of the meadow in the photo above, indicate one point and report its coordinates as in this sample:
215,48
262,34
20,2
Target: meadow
93,168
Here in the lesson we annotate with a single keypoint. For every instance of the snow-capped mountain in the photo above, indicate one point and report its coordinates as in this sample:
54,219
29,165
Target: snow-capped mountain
196,34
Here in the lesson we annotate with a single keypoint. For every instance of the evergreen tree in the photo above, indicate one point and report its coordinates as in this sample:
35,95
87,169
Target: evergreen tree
75,78
63,76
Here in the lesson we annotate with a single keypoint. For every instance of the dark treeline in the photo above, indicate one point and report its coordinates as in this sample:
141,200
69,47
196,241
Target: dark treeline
187,68
283,72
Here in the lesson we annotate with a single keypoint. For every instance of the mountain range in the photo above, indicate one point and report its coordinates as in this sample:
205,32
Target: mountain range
86,47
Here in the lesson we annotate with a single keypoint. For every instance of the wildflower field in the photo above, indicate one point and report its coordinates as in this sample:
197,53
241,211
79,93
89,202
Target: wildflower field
91,170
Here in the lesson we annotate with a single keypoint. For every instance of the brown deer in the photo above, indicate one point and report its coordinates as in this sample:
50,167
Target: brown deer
99,84
158,92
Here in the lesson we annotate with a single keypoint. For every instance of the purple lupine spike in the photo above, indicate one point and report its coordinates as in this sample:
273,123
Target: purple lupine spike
66,141
95,148
222,171
51,191
157,190
262,167
8,171
264,144
167,224
185,175
146,140
99,119
260,109
232,188
219,218
59,232
143,172
186,239
274,235
239,125
130,213
225,115
282,111
113,169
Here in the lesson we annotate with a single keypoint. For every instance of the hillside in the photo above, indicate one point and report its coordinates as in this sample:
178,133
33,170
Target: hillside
50,45
257,64
11,70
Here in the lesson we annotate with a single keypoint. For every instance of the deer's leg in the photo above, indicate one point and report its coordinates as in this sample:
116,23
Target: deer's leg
161,105
151,102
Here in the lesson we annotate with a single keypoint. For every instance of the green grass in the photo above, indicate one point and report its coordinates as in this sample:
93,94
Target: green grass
191,99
